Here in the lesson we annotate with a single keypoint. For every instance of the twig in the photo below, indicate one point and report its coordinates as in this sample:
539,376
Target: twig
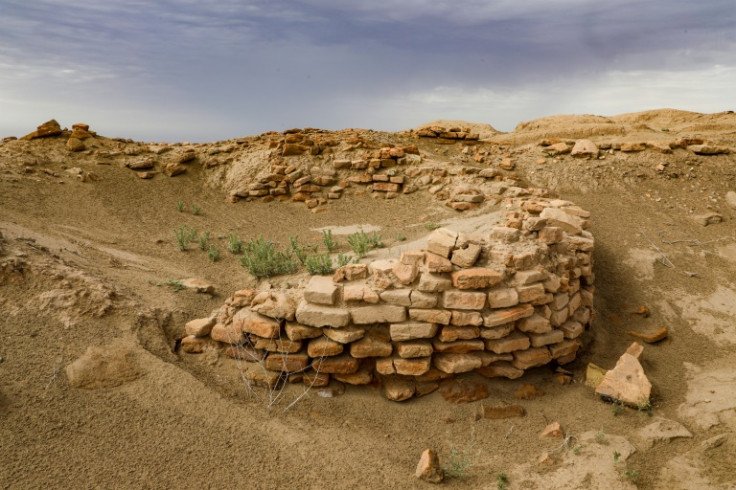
509,432
693,242
664,260
565,443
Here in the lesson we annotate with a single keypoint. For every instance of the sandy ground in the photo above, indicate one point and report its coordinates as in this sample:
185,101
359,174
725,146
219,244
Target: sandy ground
86,263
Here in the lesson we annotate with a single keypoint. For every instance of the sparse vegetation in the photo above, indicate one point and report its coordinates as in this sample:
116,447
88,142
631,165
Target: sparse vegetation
204,240
616,456
343,259
617,409
601,438
185,236
359,243
234,244
457,464
195,209
631,475
319,264
180,206
298,250
431,226
576,450
502,481
213,253
263,260
329,241
176,285
400,238
374,241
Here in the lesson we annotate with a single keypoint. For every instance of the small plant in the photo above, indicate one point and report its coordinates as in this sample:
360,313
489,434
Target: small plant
320,264
195,209
176,285
359,243
329,242
180,206
502,481
616,457
234,244
400,238
576,449
203,239
645,406
185,236
374,241
600,438
263,260
343,259
665,130
298,250
213,253
457,464
631,475
431,226
617,409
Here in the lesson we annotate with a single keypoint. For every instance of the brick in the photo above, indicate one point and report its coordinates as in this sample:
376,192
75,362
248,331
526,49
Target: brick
343,364
364,315
245,352
399,297
492,333
433,283
257,324
534,324
523,278
456,363
525,359
452,333
462,300
412,367
420,299
344,335
369,346
500,370
442,242
559,317
582,315
406,274
350,272
466,319
466,257
542,339
504,234
560,219
545,299
431,316
488,358
476,278
198,345
414,348
560,301
564,348
386,187
363,376
551,234
503,298
353,292
274,304
552,284
385,366
458,346
321,316
397,389
575,302
323,346
230,334
437,263
200,327
530,293
295,331
321,290
290,363
515,341
315,379
412,257
500,317
276,345
412,330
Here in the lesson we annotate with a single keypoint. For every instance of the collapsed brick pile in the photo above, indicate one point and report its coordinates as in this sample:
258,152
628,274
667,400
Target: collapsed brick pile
499,304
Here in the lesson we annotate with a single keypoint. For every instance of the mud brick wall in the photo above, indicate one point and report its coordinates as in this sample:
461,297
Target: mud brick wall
500,304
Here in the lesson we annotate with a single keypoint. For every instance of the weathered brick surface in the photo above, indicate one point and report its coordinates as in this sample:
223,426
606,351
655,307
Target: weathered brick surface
463,300
413,330
476,278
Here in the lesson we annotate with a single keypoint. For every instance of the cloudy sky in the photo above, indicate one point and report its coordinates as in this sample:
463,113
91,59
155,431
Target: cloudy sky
203,70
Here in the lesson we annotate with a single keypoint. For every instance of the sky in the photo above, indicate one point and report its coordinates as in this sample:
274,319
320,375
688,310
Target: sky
204,70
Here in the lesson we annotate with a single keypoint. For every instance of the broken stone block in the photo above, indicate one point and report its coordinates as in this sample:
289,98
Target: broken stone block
370,346
503,411
412,330
626,383
560,219
462,390
536,356
229,334
363,315
200,327
466,257
442,242
397,388
476,278
456,363
322,346
503,298
321,290
462,300
500,370
416,366
515,341
321,316
257,324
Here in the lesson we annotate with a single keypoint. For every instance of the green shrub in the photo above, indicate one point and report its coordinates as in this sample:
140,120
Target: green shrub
329,242
213,254
234,244
298,250
457,464
184,236
343,259
320,264
374,241
195,209
180,206
263,260
359,243
203,239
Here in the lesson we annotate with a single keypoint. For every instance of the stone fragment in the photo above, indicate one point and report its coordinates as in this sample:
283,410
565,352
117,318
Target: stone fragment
503,411
584,149
515,341
649,337
229,334
412,257
431,316
626,383
342,364
274,304
536,356
245,353
437,264
503,298
466,257
363,376
344,335
331,389
49,128
322,347
370,346
492,333
399,297
557,218
458,346
420,299
198,285
453,333
172,169
456,363
500,370
594,375
505,234
508,315
321,290
463,390
535,324
635,349
466,319
363,315
414,348
350,272
442,242
476,278
706,219
277,345
405,273
198,345
397,388
528,392
416,366
708,149
290,363
259,375
321,316
572,329
104,367
295,331
200,327
530,293
462,300
257,324
547,338
432,283
412,330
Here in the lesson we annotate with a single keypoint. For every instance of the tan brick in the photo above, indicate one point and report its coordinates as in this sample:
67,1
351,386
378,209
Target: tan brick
323,346
291,363
508,315
343,364
582,315
559,317
321,290
559,218
442,242
452,333
295,331
436,263
564,348
364,315
350,272
285,346
369,346
466,257
414,348
412,330
363,376
530,293
488,358
406,274
412,367
544,299
200,327
525,359
400,297
431,316
315,379
344,335
230,334
386,187
503,298
412,257
466,319
492,333
463,300
500,370
535,323
456,363
542,339
574,304
385,366
515,341
458,346
321,316
433,283
257,324
586,296
245,352
198,345
552,284
560,301
423,300
504,234
476,278
551,234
